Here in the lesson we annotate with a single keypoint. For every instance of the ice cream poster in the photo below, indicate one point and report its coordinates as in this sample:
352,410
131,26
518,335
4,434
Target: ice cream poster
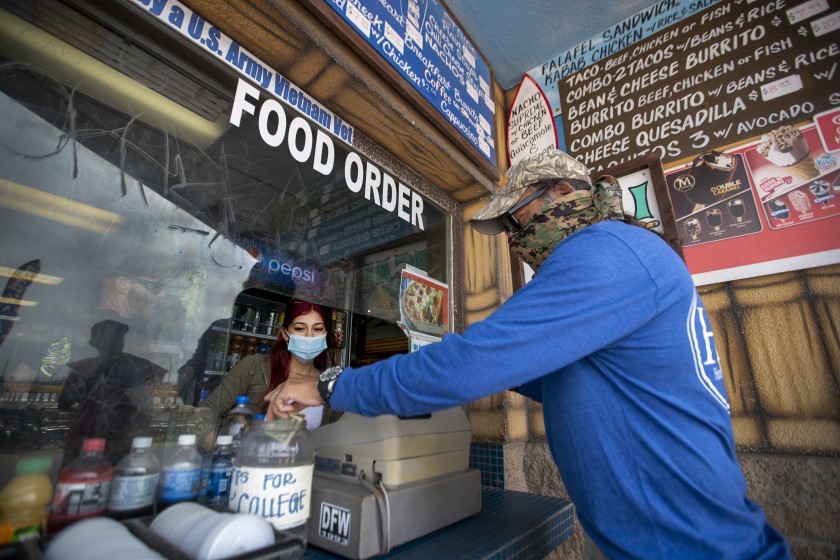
765,207
796,181
712,199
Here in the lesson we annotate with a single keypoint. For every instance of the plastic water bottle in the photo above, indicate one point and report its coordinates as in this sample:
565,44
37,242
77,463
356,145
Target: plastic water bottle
237,421
272,474
83,486
25,501
135,484
180,476
221,468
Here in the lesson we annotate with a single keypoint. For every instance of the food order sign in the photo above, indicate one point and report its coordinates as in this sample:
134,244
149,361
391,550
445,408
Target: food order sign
305,143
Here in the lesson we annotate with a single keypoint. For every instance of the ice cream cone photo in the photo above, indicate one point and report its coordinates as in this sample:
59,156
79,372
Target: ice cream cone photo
785,147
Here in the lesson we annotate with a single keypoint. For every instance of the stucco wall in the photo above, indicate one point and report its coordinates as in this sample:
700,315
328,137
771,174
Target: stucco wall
799,493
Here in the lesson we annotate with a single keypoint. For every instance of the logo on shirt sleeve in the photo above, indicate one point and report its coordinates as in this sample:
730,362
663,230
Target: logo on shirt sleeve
706,364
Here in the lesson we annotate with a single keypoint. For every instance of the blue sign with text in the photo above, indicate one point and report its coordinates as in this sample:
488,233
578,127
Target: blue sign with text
423,43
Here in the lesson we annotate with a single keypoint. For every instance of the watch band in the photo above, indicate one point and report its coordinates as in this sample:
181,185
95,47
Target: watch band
326,382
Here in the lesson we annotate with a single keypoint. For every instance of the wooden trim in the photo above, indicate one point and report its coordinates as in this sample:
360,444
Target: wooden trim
653,163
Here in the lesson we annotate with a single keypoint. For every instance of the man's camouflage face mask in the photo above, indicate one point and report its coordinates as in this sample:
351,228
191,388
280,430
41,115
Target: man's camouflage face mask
562,217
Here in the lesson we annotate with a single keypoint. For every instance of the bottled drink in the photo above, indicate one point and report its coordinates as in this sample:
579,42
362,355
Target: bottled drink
237,350
25,501
237,421
216,355
83,486
251,346
180,476
206,459
272,474
205,389
135,484
221,468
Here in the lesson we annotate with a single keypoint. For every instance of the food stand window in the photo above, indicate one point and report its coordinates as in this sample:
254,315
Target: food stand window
148,195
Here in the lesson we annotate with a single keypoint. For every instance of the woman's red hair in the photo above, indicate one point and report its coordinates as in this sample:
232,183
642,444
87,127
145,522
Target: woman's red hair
280,358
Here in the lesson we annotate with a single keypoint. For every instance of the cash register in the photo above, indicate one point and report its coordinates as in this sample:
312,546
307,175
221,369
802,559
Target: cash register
384,481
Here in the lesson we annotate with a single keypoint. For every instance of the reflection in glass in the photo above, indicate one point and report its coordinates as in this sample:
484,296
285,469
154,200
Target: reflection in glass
157,224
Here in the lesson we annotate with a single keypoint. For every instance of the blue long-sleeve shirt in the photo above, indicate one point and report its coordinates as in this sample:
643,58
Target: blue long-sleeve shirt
613,339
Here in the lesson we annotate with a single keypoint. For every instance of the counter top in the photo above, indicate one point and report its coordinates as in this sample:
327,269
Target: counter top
510,525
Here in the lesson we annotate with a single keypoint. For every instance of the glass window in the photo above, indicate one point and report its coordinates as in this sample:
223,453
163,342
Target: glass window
153,203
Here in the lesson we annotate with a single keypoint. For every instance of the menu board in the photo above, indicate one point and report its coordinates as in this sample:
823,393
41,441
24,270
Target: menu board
422,42
726,74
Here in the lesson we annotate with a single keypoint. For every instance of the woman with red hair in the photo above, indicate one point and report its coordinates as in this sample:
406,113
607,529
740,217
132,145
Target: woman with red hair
304,348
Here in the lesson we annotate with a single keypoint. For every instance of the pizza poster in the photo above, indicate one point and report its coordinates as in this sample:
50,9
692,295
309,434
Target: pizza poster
424,304
766,207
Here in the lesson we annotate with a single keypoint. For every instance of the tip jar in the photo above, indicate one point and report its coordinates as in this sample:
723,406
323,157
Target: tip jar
272,474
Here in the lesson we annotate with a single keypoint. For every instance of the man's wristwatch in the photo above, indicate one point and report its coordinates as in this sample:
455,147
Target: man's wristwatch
326,382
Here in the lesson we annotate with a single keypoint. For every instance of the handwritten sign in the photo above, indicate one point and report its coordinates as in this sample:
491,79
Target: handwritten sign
421,41
531,126
726,74
618,37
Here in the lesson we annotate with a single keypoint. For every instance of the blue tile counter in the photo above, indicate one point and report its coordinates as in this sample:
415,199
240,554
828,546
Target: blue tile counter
510,526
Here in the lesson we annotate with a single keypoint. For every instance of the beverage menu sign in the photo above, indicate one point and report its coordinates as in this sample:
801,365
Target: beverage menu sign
727,73
422,42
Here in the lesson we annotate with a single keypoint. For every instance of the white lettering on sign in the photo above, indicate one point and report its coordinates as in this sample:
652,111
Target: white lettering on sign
334,523
209,38
318,149
531,126
280,495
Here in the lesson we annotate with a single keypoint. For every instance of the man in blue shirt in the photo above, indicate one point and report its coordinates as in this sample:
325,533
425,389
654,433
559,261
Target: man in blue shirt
612,338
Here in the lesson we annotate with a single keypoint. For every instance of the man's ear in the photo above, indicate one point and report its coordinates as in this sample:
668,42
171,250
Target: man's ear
562,188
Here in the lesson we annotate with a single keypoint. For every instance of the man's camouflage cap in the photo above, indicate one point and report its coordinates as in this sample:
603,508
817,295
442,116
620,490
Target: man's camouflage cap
550,164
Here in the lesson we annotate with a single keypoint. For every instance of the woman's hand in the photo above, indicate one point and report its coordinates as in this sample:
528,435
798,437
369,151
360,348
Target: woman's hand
294,395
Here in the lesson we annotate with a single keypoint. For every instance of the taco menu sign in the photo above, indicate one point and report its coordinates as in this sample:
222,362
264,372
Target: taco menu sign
728,73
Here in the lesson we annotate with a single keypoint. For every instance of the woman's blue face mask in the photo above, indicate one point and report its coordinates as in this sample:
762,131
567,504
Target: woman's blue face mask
307,348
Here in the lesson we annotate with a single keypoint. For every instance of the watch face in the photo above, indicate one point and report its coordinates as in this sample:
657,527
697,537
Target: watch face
330,373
